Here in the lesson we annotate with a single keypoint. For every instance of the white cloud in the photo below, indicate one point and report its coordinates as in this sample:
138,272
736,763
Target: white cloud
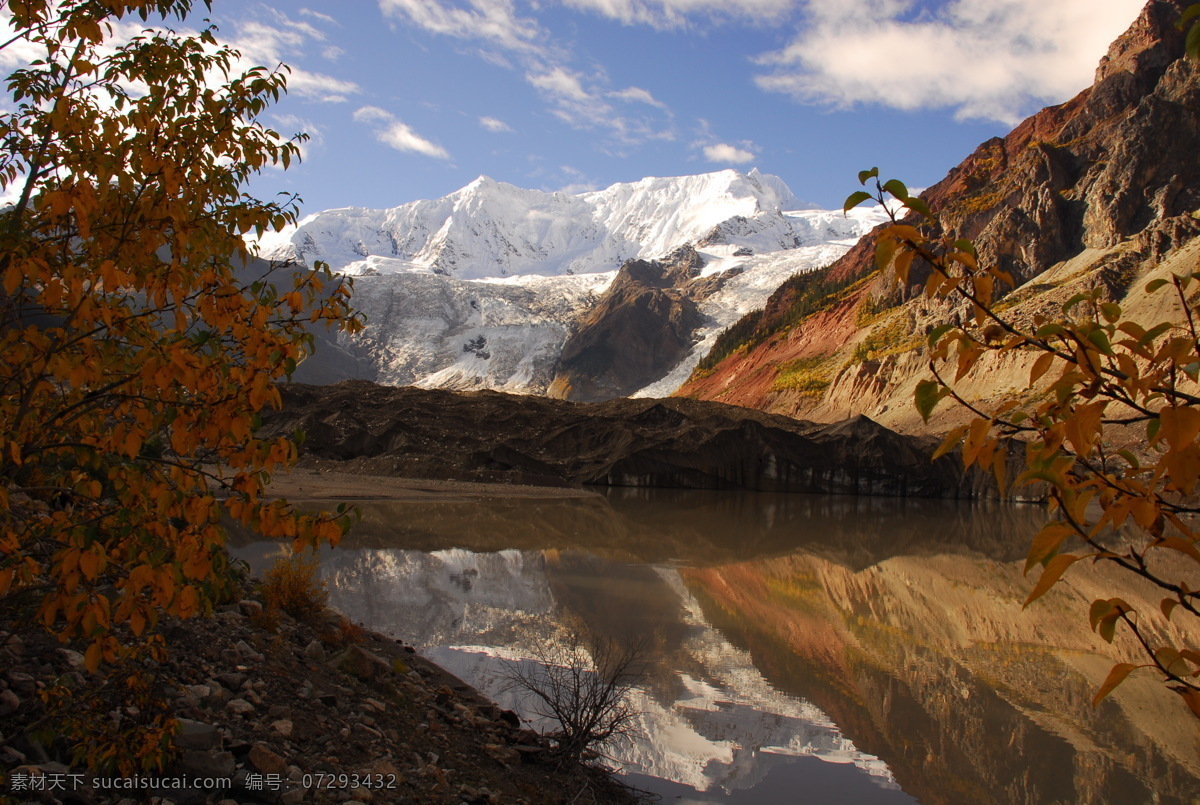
724,152
588,107
276,38
325,18
986,59
393,132
289,126
583,100
494,124
675,13
638,95
493,21
559,83
373,114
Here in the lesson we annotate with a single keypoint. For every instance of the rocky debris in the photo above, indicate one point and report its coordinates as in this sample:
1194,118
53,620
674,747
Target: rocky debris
360,427
290,727
639,329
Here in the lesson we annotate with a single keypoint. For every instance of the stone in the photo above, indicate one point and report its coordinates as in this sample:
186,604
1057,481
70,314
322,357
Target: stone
266,760
207,764
283,727
232,680
314,650
250,608
247,651
370,732
73,658
239,707
293,796
23,684
198,691
9,702
197,735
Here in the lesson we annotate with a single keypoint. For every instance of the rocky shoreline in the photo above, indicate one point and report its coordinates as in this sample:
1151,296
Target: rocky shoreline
298,713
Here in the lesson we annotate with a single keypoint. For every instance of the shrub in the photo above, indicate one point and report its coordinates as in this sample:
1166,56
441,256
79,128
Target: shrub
293,585
582,685
343,633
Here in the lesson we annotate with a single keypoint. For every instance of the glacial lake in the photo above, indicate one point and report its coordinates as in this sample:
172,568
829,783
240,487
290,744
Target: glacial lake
799,649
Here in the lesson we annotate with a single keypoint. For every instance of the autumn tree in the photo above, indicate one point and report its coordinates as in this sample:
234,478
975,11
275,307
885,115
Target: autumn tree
137,340
1100,381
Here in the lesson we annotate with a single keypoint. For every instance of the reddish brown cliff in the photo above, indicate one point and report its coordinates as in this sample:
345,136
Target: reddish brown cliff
1098,190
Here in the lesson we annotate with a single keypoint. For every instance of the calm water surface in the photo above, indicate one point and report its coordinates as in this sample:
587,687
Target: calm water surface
802,649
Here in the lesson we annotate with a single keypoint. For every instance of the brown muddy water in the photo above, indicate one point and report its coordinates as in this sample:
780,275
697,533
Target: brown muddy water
798,649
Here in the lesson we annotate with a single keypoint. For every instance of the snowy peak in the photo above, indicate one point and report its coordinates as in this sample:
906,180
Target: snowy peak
492,229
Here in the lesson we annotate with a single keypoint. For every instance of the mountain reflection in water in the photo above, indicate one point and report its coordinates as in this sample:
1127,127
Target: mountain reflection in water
883,636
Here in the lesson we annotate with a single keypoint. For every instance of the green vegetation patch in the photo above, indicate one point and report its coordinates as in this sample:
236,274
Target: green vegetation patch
891,336
809,376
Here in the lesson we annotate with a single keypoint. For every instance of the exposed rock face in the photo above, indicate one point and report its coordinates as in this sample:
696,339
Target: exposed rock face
640,328
1093,181
361,427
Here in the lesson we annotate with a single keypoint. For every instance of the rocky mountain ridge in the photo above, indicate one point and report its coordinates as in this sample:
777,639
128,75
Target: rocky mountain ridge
1098,191
364,428
640,327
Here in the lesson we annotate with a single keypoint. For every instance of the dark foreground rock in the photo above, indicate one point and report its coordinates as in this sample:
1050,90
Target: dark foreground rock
288,713
361,427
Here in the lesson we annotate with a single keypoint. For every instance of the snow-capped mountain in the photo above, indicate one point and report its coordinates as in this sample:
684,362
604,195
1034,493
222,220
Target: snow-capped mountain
491,229
481,288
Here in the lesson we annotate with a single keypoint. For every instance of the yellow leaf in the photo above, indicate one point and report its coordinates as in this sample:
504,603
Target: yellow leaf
92,657
1180,425
1046,542
137,622
950,442
1115,677
90,564
1040,367
1191,698
1083,428
1050,575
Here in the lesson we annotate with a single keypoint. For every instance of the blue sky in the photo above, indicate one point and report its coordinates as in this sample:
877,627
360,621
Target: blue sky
408,99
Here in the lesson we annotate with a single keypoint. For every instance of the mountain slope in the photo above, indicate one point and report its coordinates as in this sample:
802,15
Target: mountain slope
1097,191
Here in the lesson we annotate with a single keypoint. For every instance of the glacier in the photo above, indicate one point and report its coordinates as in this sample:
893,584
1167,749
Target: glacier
482,287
